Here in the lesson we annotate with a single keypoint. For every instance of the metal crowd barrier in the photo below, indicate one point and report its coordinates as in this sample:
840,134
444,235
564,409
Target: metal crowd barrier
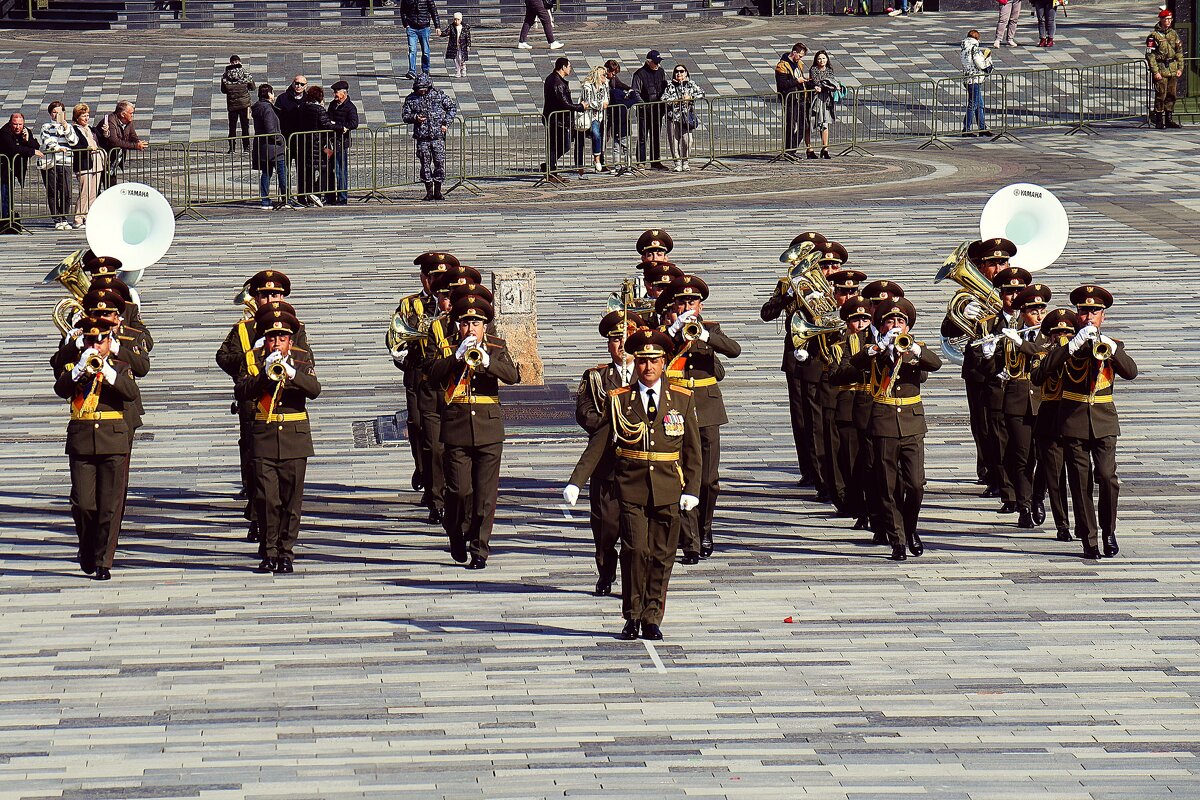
1187,103
524,146
7,179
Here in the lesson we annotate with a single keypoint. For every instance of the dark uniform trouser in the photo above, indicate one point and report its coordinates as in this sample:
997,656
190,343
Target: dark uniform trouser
472,482
1019,458
246,454
433,457
849,448
998,439
95,485
415,441
697,523
1092,461
649,539
800,426
121,490
901,464
432,155
1051,475
816,434
604,514
979,431
835,482
280,497
1164,93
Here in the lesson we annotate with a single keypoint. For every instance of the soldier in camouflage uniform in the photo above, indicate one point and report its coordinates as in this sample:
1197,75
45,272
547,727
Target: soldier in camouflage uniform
1164,56
430,111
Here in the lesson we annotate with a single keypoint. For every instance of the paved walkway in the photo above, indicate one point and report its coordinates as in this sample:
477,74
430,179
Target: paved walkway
174,77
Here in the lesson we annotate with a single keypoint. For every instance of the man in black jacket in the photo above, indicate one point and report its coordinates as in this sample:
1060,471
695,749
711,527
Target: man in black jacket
649,81
344,116
290,109
556,95
417,16
17,145
789,79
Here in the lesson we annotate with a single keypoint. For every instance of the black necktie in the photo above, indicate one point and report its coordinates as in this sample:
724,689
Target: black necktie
651,409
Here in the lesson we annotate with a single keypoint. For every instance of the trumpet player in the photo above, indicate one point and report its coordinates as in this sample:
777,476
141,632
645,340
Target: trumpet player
1059,327
1008,283
897,365
591,412
828,349
854,413
1016,350
278,385
698,344
101,268
1087,418
471,370
416,309
801,377
100,389
235,357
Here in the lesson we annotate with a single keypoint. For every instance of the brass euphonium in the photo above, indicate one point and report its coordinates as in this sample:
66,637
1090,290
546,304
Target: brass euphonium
246,301
812,294
975,289
70,274
631,297
802,330
401,334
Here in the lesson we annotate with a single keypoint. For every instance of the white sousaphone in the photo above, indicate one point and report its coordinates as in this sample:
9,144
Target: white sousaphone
1032,218
131,222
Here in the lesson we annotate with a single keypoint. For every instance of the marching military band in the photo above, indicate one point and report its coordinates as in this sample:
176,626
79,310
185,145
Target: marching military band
1039,388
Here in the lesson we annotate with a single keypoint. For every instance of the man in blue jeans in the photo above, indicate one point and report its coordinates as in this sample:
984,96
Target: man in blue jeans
344,116
418,16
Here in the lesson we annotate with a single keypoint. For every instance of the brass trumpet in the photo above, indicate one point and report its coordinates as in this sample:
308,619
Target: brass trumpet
94,364
473,357
692,331
903,342
1101,351
277,371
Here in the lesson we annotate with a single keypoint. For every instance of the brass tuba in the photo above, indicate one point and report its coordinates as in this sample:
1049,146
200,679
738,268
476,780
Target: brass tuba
975,288
70,274
805,279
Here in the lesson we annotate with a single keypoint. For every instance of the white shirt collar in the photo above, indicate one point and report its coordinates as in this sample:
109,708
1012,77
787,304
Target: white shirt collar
625,371
657,387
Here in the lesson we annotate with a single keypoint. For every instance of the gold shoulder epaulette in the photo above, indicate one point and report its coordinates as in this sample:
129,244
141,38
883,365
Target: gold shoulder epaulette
620,390
683,390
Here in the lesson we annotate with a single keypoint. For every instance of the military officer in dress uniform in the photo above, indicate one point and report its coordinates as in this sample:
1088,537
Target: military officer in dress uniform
802,378
100,387
976,407
695,366
658,277
1018,350
828,348
415,309
279,383
654,245
1087,417
653,434
852,401
898,364
833,257
591,412
874,294
1008,283
235,357
472,426
1058,328
110,267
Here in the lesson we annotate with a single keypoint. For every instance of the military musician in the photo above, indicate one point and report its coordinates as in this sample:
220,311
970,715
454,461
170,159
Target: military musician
1058,328
279,380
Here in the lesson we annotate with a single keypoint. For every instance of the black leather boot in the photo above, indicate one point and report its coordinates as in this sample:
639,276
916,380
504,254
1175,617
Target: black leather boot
706,544
428,191
1157,119
1039,511
1110,544
914,544
1008,508
1171,121
1064,535
630,631
252,533
898,553
437,191
1024,518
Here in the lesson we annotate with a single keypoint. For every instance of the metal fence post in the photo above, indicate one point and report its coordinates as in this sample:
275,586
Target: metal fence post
934,139
188,210
374,193
1004,133
854,148
463,180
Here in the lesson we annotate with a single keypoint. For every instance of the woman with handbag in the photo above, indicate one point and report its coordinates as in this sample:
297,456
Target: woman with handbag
88,162
594,95
680,97
820,113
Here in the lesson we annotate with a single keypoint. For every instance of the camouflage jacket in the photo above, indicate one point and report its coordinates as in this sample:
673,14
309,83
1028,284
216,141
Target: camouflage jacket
1164,51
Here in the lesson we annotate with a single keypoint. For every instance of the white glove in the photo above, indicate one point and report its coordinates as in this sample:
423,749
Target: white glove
680,321
1003,376
973,311
915,349
273,357
115,347
75,334
886,341
874,350
703,334
687,502
110,374
399,354
989,348
1089,332
259,342
289,370
466,345
1110,343
1078,342
81,367
800,354
1012,334
483,362
571,494
813,295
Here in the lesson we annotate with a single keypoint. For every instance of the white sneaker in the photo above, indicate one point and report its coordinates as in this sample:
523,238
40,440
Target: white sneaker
996,44
686,168
678,167
524,45
1013,43
556,45
316,201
